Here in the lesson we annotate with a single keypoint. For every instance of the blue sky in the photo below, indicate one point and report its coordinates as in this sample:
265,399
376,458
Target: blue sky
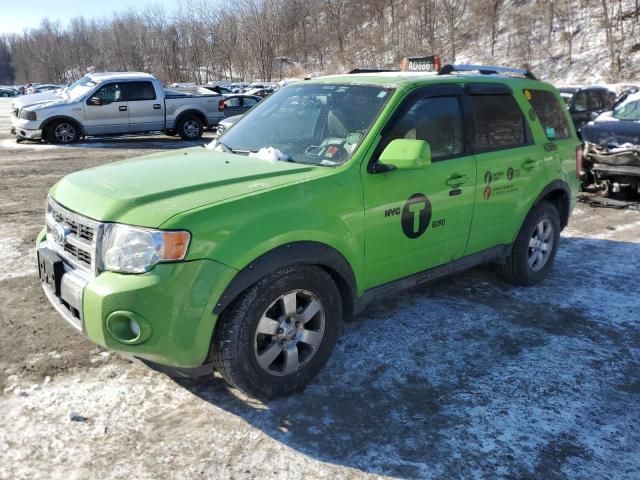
16,15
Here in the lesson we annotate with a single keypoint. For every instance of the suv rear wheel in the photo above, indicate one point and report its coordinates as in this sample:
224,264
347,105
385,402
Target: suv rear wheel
535,247
278,334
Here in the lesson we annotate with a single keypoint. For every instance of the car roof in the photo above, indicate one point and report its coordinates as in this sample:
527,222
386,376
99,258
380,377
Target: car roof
119,75
407,79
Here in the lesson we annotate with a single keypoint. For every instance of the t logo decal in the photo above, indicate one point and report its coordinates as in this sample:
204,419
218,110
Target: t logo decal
416,215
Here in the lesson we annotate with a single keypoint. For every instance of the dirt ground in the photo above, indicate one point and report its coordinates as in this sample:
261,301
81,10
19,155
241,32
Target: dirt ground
466,378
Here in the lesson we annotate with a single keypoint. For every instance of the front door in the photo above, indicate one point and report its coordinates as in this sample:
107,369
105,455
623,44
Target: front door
106,111
419,219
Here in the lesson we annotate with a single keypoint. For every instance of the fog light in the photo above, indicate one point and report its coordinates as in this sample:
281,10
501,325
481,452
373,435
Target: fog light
128,327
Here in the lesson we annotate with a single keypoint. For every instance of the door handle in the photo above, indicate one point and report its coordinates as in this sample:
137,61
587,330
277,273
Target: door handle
456,180
530,164
156,106
122,108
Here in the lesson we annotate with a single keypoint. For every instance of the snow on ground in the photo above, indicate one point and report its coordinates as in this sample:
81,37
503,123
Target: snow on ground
467,378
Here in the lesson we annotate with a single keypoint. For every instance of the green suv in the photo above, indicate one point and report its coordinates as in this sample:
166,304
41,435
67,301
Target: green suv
246,255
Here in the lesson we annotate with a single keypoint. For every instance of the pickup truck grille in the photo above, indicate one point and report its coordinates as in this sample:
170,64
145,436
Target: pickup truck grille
73,236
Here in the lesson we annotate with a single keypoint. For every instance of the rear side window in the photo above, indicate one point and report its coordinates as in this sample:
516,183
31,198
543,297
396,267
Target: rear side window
232,102
136,91
550,113
499,123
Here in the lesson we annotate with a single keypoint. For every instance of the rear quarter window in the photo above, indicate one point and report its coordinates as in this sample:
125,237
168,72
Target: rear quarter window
550,113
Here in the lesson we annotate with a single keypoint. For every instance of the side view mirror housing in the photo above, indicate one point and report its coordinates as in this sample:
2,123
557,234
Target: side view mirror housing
95,101
404,154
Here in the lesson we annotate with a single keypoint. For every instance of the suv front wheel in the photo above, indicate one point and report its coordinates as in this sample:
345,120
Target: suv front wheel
278,334
535,247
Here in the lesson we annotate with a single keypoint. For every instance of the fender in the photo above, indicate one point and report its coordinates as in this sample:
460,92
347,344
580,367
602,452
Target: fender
310,253
49,120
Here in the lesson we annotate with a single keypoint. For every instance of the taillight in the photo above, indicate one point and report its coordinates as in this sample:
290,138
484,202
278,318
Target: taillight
578,161
221,105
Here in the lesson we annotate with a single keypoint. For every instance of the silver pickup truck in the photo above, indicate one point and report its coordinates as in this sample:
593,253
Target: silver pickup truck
114,104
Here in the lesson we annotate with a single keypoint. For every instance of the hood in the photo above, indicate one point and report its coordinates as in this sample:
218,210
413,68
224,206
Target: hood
607,130
148,190
36,101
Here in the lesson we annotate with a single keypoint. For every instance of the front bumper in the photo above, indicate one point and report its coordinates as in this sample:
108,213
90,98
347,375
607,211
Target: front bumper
25,129
172,304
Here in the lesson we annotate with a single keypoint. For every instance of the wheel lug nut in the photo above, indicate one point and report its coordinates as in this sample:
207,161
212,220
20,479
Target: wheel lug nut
280,331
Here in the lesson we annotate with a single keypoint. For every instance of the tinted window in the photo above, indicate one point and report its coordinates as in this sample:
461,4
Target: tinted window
437,120
595,100
139,91
232,102
249,102
499,122
581,102
550,113
111,92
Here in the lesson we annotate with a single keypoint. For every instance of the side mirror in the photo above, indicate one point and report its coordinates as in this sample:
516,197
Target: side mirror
95,101
404,154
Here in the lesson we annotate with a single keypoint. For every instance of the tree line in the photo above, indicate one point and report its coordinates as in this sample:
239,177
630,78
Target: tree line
198,41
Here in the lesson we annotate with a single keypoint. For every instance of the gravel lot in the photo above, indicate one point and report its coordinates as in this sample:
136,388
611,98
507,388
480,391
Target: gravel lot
466,378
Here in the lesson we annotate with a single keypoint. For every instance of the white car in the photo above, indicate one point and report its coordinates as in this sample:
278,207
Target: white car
114,104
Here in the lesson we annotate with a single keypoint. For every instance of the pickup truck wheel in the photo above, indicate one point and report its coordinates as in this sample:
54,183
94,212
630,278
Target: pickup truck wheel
535,247
63,131
279,333
190,127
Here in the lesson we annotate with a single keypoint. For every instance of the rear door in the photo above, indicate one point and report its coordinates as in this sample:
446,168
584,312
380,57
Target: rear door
106,111
146,111
247,103
510,164
419,219
233,107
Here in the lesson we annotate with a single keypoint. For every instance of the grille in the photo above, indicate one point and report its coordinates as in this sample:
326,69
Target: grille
78,246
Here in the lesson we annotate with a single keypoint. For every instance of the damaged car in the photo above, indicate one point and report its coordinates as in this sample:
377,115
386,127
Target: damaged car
612,148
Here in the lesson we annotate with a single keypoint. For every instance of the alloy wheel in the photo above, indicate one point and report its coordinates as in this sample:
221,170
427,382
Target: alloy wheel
540,245
289,332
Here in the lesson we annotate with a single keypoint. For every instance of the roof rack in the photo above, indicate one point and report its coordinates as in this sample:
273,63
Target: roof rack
371,70
486,70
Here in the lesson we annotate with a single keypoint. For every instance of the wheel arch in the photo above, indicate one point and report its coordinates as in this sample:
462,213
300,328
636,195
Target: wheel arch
191,111
303,252
56,118
558,193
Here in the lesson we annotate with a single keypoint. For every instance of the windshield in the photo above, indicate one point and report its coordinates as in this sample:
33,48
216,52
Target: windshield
629,109
80,87
315,123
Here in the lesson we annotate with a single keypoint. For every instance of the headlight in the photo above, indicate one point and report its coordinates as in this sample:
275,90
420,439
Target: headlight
28,115
136,250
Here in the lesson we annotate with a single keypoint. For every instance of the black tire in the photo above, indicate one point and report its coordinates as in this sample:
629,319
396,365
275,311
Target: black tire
236,342
190,127
516,268
63,132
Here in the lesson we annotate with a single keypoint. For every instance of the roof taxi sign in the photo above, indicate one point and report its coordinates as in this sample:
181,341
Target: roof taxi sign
421,64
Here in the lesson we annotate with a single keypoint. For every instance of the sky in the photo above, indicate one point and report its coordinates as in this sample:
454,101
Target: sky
16,15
